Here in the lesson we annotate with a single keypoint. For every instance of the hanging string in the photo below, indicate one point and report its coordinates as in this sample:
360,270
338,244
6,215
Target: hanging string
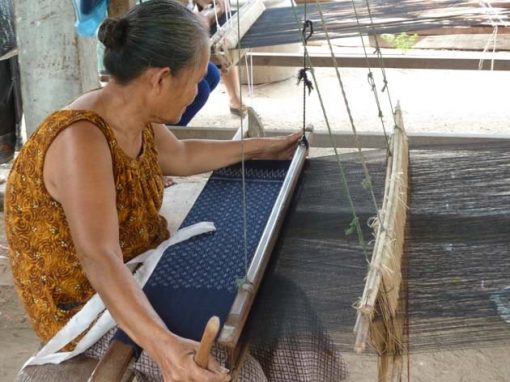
355,226
241,119
374,90
367,183
228,10
385,87
248,67
306,33
218,26
490,12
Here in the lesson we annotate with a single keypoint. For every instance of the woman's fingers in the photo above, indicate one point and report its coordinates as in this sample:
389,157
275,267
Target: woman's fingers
215,366
214,372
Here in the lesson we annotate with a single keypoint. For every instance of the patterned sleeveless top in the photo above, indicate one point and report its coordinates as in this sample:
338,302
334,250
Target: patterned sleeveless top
46,269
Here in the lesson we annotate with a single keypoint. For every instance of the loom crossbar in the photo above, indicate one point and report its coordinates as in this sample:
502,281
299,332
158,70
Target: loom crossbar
384,275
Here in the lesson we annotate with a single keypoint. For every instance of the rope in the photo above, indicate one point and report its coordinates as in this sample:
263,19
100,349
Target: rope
218,26
490,12
249,75
367,183
355,226
245,218
370,73
306,32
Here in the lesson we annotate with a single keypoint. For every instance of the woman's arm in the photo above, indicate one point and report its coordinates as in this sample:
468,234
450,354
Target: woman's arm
194,156
78,174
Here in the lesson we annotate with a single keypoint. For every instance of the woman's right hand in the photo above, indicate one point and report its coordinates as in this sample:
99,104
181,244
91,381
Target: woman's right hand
175,358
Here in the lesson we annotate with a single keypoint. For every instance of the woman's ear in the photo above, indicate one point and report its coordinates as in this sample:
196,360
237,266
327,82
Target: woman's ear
160,79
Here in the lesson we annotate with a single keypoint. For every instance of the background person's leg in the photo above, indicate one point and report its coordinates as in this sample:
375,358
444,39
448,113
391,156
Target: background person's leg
213,76
7,113
231,82
205,87
230,78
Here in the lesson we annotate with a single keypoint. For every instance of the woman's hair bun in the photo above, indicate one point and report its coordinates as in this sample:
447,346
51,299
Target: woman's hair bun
113,32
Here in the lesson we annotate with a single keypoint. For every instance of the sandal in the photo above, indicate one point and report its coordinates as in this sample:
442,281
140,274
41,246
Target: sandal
240,112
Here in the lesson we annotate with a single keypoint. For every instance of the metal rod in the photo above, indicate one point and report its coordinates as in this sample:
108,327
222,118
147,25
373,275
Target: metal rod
259,259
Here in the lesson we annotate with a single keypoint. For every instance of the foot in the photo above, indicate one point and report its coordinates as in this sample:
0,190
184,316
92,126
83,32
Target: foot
6,153
167,181
240,111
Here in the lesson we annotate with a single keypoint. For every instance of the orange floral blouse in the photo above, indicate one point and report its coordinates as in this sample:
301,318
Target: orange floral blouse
47,273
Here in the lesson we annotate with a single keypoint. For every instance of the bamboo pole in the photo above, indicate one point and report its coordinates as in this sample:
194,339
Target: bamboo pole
381,294
118,8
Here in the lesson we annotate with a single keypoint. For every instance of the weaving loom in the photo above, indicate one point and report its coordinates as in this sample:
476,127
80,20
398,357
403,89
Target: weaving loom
457,265
260,27
278,26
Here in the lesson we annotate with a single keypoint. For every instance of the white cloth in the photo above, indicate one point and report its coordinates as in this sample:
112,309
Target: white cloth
95,308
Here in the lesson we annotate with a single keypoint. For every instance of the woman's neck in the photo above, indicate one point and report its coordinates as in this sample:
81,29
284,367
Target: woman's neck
123,107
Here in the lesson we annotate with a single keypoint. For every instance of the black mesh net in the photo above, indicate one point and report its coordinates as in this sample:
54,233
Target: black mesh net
458,252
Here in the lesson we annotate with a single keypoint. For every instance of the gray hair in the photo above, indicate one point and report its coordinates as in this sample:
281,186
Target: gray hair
157,33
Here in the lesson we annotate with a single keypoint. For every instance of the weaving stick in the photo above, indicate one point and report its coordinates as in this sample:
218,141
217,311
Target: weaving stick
210,332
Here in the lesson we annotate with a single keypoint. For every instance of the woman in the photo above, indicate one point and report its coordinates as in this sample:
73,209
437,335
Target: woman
84,193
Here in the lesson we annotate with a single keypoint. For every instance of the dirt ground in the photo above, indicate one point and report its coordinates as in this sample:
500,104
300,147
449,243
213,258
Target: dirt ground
461,102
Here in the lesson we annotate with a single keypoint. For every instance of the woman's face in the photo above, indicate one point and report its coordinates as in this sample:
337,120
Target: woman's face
179,91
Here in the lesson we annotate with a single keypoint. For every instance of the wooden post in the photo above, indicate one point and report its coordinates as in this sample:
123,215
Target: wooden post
117,8
56,65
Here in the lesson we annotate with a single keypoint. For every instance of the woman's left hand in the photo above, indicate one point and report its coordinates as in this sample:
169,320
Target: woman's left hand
279,147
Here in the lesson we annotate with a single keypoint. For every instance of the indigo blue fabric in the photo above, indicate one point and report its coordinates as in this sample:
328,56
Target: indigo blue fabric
196,279
205,87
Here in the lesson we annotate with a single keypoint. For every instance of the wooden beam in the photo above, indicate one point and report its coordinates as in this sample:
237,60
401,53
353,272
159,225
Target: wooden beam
384,277
113,366
56,64
456,61
118,8
368,140
9,54
480,29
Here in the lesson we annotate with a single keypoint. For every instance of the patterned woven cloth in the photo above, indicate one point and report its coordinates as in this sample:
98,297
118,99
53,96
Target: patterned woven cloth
308,358
197,279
